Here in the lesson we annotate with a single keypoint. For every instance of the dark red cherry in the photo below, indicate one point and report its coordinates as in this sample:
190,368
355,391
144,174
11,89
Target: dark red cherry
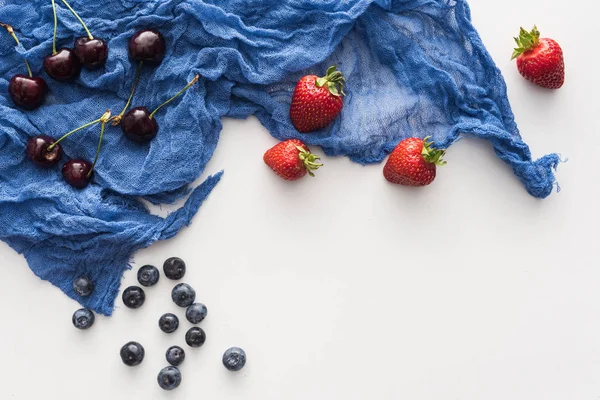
147,45
27,92
76,173
62,66
138,126
37,151
92,53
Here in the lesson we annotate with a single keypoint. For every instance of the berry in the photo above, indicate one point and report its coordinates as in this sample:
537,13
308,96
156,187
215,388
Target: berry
138,126
195,337
168,323
183,295
196,313
317,101
148,275
83,286
169,378
175,355
27,92
134,297
62,65
291,160
413,163
174,268
37,151
132,354
147,45
234,359
540,60
83,318
77,173
92,53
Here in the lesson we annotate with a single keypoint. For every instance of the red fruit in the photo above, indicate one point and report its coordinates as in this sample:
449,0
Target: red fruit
413,163
317,101
539,60
291,160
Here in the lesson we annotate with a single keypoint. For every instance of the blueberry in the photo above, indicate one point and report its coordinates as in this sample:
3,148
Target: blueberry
134,297
175,355
132,353
234,359
148,275
83,318
196,313
169,378
195,337
168,323
174,268
83,286
183,295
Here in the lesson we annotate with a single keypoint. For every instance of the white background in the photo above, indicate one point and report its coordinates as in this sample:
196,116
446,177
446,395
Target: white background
347,287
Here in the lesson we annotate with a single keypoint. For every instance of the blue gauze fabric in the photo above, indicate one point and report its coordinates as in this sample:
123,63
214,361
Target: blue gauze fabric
414,68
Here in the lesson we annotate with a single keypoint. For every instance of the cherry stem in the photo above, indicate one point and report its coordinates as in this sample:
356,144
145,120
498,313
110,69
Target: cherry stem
11,31
177,95
104,119
55,26
80,20
72,132
118,118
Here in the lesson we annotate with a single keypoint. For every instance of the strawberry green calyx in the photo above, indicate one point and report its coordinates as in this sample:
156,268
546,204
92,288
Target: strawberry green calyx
526,41
308,159
431,154
334,80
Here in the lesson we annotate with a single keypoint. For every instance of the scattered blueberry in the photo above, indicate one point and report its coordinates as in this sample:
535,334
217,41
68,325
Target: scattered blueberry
83,318
169,378
134,297
174,268
234,359
175,355
168,323
183,295
196,313
195,337
148,275
83,286
132,354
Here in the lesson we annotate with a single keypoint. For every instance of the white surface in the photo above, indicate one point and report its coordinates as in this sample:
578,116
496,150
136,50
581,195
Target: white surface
346,287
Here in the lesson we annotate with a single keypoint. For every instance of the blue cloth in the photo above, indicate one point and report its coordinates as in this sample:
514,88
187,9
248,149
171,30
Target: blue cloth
414,68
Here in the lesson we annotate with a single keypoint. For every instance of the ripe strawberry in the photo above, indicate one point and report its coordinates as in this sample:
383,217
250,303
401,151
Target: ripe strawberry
317,101
539,60
413,162
291,160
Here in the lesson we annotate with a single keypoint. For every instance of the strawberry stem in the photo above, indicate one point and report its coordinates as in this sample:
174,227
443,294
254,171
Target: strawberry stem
11,31
79,18
334,80
431,154
526,41
308,159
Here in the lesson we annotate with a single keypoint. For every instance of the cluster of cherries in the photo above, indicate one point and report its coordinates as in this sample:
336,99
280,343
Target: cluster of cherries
138,124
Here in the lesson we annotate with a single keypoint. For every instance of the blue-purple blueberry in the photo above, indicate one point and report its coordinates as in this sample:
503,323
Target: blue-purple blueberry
83,318
169,378
234,359
132,354
175,355
168,323
174,268
196,313
195,337
134,297
83,286
183,295
148,275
